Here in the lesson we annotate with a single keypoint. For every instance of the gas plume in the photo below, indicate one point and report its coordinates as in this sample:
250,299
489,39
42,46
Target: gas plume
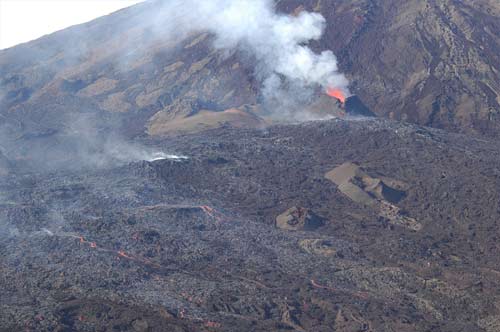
276,45
287,68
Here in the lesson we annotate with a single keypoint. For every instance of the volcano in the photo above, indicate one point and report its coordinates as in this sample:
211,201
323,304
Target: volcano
149,183
416,74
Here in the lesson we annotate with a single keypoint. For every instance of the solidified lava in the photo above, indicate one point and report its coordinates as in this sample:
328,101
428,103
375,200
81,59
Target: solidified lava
183,266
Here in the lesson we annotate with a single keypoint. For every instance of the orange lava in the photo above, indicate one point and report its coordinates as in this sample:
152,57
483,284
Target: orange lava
124,254
337,94
211,212
316,285
207,209
212,324
120,253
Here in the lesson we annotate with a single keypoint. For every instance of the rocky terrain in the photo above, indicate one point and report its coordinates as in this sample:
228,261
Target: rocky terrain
145,186
206,244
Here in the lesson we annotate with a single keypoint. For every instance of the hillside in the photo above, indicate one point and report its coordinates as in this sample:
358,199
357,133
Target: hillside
153,178
425,63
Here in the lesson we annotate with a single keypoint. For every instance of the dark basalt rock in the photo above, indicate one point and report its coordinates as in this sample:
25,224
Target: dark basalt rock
193,245
354,106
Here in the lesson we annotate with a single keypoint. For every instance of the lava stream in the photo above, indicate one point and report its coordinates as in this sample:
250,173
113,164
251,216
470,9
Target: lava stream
211,212
119,253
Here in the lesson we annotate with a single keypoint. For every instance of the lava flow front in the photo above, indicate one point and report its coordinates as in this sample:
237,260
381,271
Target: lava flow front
119,253
336,93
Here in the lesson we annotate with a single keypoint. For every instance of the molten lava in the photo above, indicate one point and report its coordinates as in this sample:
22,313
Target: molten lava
211,212
120,253
208,210
123,254
316,285
337,94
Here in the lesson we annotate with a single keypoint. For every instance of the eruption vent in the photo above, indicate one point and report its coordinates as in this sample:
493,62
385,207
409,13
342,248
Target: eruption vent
289,70
336,93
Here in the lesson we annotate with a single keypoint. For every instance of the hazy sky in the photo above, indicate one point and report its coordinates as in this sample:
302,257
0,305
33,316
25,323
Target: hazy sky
25,20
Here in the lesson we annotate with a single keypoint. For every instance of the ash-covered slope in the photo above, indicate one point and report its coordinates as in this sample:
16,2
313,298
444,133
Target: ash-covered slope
195,245
428,63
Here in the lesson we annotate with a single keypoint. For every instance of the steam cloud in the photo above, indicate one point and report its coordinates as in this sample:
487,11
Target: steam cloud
275,40
287,67
275,43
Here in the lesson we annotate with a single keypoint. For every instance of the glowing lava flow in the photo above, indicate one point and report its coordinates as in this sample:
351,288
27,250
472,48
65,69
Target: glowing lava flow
119,253
316,285
211,212
337,94
123,254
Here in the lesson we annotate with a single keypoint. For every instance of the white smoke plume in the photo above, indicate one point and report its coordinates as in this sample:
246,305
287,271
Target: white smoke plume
278,42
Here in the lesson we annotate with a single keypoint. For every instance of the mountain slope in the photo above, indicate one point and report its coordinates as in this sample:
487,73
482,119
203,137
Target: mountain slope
432,64
143,186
